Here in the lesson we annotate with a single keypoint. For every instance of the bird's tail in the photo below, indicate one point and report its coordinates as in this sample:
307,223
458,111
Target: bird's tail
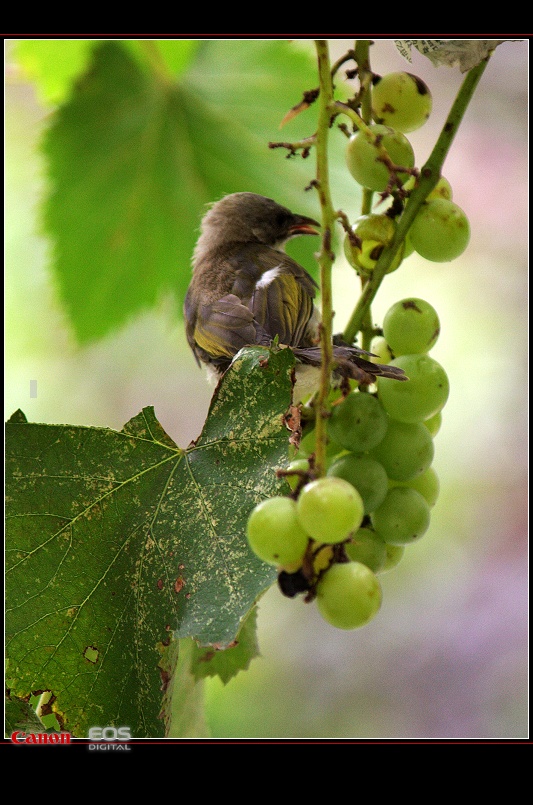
350,363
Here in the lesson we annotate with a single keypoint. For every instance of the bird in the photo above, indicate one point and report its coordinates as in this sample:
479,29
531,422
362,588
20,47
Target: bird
245,290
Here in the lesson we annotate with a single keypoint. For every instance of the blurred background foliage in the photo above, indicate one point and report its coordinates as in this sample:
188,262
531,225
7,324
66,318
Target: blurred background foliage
447,656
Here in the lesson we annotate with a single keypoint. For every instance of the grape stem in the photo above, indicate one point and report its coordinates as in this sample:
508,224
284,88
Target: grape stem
304,146
325,256
429,176
362,59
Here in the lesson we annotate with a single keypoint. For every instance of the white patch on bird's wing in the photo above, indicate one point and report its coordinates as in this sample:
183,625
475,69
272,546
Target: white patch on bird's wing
268,277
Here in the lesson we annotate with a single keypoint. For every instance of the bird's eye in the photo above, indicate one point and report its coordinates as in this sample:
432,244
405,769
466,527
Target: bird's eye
283,220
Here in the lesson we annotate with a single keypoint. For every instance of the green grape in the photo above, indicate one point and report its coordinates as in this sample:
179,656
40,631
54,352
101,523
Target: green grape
275,533
364,162
440,231
427,484
375,231
366,474
329,509
394,556
422,396
323,556
300,465
308,446
349,251
368,548
358,423
406,450
434,423
403,517
408,247
348,595
401,100
442,189
381,351
411,326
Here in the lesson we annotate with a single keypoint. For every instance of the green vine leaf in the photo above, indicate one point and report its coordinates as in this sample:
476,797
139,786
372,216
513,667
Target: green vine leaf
53,72
135,155
209,661
19,715
175,54
119,542
183,700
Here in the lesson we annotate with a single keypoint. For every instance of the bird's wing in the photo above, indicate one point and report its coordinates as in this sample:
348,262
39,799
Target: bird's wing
271,296
224,327
282,307
278,291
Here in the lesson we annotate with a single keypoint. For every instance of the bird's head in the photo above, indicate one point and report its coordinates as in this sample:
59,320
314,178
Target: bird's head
250,218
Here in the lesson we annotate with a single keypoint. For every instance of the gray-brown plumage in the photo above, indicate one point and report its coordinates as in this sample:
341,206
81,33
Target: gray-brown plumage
246,290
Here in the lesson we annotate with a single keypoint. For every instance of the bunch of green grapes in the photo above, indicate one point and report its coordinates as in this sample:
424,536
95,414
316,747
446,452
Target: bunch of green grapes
382,160
306,539
388,456
333,536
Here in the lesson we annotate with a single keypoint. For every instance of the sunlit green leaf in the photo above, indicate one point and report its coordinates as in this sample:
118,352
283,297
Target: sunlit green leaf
174,54
54,64
133,158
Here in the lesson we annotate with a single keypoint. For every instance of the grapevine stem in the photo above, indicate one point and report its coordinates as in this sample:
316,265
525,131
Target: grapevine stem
362,50
325,257
362,59
429,176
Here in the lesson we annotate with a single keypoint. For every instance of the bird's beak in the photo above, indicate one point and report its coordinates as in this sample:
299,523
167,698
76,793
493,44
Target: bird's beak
303,226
